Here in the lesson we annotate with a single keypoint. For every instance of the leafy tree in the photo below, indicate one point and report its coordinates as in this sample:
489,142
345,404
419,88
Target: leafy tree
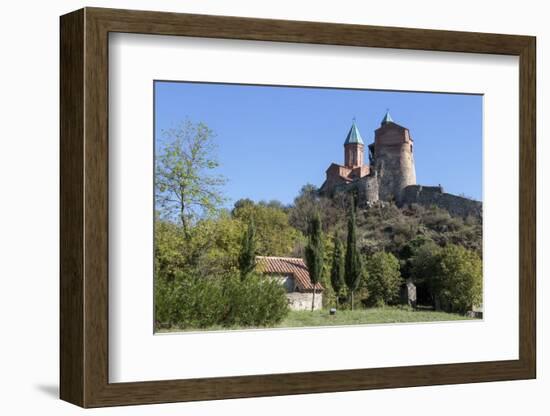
274,203
337,269
458,278
306,204
274,235
211,249
184,187
423,269
214,245
384,279
314,254
169,249
247,256
309,202
353,268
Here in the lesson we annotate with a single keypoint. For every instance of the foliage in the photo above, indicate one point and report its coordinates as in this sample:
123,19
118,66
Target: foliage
184,188
384,279
458,278
247,256
211,248
214,245
337,269
385,227
169,250
423,265
314,256
191,302
353,268
256,302
274,235
309,203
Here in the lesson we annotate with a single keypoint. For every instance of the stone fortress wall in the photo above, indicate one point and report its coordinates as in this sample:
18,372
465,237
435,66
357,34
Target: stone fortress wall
435,196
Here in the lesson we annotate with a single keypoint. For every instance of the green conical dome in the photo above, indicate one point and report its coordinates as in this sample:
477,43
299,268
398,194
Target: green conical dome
387,118
353,137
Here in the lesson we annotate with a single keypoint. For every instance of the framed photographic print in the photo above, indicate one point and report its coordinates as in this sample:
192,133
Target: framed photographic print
245,201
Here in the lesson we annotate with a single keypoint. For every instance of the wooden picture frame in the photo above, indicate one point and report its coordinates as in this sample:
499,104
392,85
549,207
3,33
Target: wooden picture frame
84,207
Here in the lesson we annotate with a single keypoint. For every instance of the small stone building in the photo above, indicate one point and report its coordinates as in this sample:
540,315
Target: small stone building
293,274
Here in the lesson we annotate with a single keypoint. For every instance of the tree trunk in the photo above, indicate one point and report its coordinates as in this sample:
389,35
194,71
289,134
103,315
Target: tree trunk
313,299
352,300
184,222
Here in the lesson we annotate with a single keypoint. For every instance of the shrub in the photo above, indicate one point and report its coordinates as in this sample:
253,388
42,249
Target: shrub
188,302
164,301
199,302
257,301
458,278
384,279
452,275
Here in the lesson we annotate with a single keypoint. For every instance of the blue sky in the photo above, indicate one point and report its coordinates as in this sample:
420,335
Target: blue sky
273,140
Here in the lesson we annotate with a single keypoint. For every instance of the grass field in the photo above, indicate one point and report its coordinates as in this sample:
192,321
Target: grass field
366,316
385,315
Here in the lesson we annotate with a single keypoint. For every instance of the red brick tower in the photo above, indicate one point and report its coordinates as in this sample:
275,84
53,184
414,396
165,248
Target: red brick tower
354,148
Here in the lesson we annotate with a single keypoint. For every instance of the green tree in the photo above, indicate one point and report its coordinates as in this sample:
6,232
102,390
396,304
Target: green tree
247,256
306,204
458,278
353,268
309,201
185,189
423,268
274,235
314,254
170,249
337,269
211,249
384,279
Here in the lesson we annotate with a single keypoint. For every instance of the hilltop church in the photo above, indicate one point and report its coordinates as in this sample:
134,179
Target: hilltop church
390,174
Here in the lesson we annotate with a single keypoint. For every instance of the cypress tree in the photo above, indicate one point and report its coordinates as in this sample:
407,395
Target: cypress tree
337,270
314,253
352,265
247,256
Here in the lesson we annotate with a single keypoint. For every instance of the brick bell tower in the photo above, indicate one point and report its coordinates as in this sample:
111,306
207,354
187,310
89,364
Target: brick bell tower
354,148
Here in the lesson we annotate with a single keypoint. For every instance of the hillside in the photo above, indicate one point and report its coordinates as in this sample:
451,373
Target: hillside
382,226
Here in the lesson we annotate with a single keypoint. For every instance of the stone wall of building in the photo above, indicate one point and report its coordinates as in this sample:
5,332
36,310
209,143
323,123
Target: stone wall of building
434,195
299,301
366,188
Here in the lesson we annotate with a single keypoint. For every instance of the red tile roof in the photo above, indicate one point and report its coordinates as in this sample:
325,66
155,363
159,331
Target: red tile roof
288,265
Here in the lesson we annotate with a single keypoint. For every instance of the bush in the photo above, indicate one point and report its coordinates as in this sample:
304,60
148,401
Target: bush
198,302
458,279
189,302
452,275
256,301
384,279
